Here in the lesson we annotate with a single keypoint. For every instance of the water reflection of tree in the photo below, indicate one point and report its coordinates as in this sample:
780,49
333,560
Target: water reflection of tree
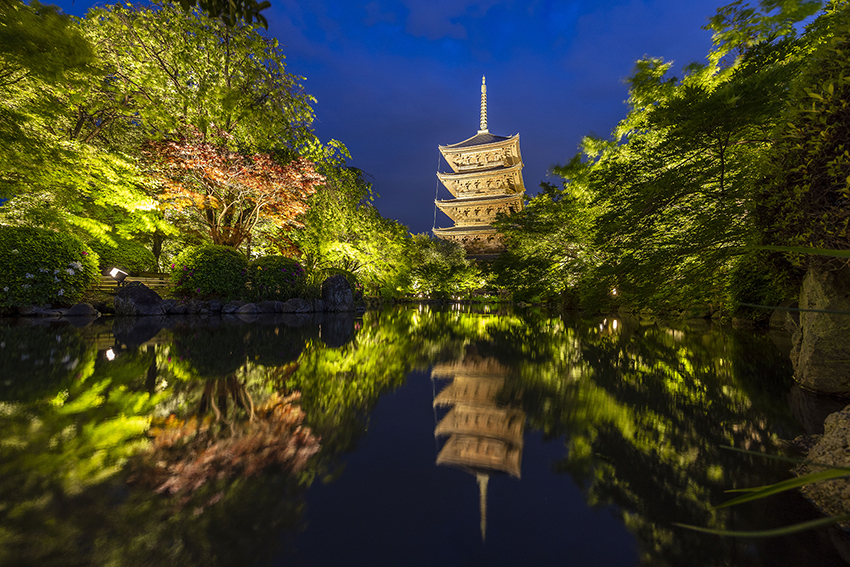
622,397
340,386
63,498
631,401
235,422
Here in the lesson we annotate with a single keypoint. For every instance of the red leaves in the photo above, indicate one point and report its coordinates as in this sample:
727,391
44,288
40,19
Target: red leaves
186,455
227,191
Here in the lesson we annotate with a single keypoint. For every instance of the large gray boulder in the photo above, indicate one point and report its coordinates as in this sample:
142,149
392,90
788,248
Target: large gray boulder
248,309
821,341
136,299
833,448
231,307
297,305
337,295
267,306
82,310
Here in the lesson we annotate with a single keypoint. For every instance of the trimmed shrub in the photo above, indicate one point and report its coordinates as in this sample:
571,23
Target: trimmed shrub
127,255
39,266
210,270
276,277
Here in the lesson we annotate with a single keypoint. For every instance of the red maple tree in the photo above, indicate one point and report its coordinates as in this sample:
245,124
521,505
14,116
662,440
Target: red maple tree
229,192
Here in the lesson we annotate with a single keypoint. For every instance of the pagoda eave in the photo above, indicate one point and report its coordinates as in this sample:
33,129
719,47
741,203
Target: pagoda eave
477,453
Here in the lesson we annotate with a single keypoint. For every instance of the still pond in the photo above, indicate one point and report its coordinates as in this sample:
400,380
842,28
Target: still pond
411,436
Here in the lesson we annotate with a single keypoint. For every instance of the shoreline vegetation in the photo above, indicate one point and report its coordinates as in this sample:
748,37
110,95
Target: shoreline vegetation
700,204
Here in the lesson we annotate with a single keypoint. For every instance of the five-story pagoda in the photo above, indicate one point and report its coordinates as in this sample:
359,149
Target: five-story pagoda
486,179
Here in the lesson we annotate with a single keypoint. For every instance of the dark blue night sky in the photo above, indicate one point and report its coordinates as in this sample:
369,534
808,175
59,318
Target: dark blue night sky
396,78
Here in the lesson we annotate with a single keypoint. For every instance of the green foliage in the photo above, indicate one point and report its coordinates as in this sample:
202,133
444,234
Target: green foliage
231,12
344,231
210,270
549,242
170,67
757,493
128,255
39,40
54,167
662,210
41,266
805,199
440,269
276,277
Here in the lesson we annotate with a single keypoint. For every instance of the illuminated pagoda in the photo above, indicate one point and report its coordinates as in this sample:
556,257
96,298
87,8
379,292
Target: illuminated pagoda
486,179
484,437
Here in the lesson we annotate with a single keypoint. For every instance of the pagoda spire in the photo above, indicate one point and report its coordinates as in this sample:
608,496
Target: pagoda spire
482,127
482,479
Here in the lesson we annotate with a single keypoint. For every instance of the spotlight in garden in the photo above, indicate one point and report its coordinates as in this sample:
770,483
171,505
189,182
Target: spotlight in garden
110,354
118,276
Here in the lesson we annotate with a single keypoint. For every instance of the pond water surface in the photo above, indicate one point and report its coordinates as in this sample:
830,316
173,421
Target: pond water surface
413,436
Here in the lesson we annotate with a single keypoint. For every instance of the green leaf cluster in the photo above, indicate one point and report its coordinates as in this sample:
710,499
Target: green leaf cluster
440,269
343,230
42,266
128,255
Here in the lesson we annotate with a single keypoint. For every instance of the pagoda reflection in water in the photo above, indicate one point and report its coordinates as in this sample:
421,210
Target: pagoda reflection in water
484,435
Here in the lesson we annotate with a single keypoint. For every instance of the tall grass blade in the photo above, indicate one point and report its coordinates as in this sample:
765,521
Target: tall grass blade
803,250
791,483
786,530
793,460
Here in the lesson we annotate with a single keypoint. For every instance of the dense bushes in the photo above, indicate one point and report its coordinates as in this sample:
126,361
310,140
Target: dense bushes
276,277
210,270
39,266
127,255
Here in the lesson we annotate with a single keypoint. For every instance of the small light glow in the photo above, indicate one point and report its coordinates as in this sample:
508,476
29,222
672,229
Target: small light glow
614,291
110,354
615,324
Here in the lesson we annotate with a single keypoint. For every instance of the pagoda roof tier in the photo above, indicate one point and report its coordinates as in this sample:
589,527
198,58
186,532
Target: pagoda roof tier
482,152
486,199
471,391
505,424
458,230
481,453
469,366
482,138
480,211
499,180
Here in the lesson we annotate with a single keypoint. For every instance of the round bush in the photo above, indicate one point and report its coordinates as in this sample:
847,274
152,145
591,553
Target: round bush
210,270
276,277
127,255
41,266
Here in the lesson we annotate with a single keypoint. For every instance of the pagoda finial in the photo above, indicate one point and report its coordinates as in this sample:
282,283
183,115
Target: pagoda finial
482,127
